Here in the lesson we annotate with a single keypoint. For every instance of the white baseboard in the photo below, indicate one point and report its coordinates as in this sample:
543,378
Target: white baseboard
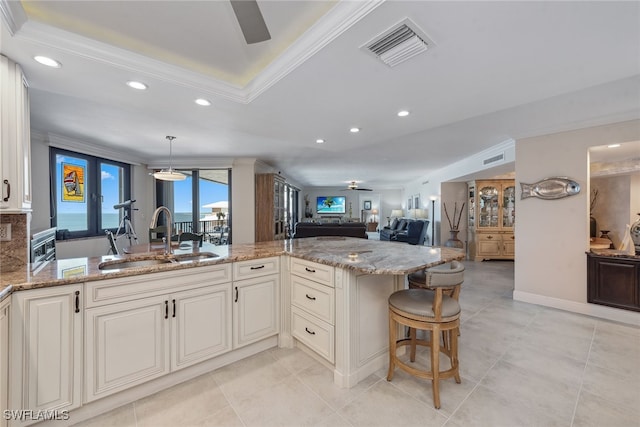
595,310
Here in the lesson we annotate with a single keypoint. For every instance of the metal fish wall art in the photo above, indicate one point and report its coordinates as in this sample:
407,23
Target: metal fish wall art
552,188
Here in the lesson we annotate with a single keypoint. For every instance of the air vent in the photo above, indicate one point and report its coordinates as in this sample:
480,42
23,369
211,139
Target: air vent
399,43
493,159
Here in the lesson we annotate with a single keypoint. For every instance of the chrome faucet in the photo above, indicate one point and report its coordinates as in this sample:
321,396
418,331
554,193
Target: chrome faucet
154,224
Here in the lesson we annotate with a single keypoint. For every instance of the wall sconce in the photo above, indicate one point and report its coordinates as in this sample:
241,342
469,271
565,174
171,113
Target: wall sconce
169,174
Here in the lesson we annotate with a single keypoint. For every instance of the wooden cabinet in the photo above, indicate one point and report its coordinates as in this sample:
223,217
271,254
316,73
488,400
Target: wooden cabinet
5,312
46,350
271,213
15,138
372,226
614,281
137,331
313,306
491,217
256,308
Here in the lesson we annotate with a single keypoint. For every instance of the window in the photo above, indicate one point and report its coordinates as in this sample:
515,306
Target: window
84,190
200,203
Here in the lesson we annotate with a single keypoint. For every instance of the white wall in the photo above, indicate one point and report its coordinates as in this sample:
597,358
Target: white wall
552,236
243,204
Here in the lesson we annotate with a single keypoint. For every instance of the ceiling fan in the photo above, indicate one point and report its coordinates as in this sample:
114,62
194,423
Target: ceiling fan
354,186
251,21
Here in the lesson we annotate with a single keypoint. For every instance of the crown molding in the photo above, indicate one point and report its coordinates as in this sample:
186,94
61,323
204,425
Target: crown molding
84,147
13,14
73,44
337,20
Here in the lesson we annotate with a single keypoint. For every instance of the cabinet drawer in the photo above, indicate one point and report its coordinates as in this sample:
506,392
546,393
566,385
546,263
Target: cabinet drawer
314,333
317,299
124,289
256,268
489,237
312,270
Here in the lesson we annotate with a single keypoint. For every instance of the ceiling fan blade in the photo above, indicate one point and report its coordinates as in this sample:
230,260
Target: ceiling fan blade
363,189
251,21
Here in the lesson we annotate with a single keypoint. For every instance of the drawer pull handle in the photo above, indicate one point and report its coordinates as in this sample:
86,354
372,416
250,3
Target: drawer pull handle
310,270
489,237
311,298
6,199
309,332
174,308
77,301
258,267
236,300
166,309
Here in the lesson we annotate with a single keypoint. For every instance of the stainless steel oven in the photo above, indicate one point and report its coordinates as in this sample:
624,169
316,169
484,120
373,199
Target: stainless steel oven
43,247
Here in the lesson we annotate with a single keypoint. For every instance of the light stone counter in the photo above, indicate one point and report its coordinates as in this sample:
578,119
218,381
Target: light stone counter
360,255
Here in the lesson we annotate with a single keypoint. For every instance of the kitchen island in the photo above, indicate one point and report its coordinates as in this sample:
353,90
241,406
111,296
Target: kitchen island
129,332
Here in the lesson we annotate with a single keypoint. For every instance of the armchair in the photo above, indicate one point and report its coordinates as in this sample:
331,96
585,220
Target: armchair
415,233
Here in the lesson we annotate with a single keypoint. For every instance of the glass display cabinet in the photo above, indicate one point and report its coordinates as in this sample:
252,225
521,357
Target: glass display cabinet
492,217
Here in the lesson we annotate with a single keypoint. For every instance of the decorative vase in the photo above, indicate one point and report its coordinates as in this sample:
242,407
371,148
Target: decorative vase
307,211
593,226
453,241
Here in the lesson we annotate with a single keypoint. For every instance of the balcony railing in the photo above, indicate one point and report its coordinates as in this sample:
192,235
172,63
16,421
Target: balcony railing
215,231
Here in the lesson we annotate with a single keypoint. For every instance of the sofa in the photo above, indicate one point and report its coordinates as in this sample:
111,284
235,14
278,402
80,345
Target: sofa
346,229
406,230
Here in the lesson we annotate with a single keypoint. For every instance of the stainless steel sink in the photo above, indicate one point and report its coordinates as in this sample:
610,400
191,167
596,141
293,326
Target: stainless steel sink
121,264
201,256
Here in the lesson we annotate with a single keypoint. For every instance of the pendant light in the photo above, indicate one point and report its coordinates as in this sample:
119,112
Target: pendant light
170,174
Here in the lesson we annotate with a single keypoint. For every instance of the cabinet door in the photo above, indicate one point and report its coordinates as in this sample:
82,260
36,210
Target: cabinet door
489,245
126,344
201,324
508,206
46,349
508,245
256,309
15,174
488,205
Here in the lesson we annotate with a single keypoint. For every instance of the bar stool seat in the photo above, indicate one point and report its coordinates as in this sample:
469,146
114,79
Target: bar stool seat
434,311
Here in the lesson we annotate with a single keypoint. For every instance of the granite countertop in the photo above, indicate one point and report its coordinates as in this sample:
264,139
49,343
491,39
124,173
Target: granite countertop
613,253
361,255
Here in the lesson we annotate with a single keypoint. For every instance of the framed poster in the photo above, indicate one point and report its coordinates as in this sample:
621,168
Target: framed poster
367,205
73,183
416,201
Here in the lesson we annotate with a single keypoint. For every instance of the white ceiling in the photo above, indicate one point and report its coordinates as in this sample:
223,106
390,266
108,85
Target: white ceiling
498,70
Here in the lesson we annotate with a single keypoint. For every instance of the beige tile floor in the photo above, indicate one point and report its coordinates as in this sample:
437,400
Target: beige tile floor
521,365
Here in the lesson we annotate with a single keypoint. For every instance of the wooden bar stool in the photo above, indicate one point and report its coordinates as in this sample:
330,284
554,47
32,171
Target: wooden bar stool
430,310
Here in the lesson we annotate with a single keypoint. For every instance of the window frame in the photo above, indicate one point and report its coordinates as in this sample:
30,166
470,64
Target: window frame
93,191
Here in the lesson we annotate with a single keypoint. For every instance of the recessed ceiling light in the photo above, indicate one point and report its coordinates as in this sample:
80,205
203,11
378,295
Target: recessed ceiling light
354,130
319,141
47,61
203,102
136,85
403,113
613,146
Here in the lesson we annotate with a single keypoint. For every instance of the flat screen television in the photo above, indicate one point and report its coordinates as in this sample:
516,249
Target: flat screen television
331,204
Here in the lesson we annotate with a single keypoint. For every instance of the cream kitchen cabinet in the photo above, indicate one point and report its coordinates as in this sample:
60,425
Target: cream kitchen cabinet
5,312
46,350
313,306
256,301
132,342
15,138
